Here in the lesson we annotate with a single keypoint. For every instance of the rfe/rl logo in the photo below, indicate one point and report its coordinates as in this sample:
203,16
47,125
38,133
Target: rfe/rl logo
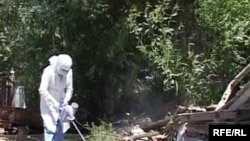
229,132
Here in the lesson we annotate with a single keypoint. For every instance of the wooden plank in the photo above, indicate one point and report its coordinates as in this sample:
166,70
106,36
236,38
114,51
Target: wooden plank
137,137
243,97
206,116
157,124
231,122
230,88
201,128
214,115
238,95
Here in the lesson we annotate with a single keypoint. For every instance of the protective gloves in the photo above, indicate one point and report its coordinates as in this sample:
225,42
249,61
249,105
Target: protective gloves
66,113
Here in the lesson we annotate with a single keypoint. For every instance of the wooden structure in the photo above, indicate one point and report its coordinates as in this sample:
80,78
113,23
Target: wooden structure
14,119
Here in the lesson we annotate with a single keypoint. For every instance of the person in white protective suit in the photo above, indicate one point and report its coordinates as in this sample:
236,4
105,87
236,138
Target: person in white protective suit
55,91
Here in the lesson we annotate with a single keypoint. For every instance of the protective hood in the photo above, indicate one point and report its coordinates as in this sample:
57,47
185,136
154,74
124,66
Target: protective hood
61,63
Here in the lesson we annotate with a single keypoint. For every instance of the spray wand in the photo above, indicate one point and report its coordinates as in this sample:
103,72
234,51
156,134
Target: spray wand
75,107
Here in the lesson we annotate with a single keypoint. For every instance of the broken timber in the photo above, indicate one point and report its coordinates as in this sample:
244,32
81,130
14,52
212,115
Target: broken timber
233,108
200,117
231,87
135,137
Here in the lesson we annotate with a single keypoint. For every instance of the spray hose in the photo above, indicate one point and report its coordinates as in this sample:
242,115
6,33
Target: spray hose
79,132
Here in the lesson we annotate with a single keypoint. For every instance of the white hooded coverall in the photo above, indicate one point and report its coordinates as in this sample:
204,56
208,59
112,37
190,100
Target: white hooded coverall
55,90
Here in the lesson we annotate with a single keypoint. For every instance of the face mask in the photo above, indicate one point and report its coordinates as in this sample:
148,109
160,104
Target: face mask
63,71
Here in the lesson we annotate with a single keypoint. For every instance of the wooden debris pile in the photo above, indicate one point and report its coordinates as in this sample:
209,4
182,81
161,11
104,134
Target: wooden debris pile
191,123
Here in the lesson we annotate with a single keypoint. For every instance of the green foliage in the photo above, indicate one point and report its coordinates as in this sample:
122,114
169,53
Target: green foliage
187,46
151,28
228,35
103,132
155,33
230,19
